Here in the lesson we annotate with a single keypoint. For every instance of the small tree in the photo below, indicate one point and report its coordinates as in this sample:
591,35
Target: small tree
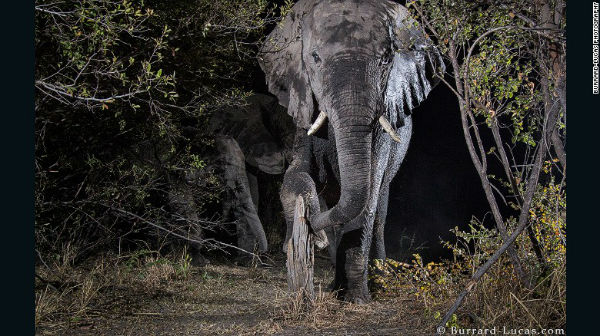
508,73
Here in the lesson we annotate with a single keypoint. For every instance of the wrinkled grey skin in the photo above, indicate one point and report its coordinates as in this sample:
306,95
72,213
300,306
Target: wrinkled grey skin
243,139
356,60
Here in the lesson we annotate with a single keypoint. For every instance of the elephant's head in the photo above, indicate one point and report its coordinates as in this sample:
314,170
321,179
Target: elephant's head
245,125
360,64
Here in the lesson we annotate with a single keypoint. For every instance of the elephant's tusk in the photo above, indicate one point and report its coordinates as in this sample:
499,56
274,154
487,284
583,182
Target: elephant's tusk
388,128
317,124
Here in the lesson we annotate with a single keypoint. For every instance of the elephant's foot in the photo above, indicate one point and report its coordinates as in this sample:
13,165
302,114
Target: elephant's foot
351,295
356,295
355,289
360,298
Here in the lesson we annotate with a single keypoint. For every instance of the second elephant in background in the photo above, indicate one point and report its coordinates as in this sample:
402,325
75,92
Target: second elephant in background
249,139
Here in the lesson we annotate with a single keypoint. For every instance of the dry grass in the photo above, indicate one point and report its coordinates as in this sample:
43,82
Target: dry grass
140,296
295,307
67,294
498,299
146,294
501,300
398,314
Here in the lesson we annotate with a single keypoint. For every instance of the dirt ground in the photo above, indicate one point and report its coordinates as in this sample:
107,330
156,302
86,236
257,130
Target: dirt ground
227,299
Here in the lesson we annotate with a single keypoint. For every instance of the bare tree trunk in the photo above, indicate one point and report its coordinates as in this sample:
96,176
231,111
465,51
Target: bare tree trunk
300,255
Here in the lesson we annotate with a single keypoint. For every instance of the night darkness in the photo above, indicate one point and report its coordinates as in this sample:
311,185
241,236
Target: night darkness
437,187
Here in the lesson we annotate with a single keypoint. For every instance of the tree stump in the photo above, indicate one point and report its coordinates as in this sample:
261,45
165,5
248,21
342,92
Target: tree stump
300,254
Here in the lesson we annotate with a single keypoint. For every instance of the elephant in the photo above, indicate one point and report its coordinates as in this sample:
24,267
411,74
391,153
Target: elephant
244,141
349,73
250,137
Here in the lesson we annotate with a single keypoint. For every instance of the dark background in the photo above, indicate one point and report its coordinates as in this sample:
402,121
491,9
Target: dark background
437,188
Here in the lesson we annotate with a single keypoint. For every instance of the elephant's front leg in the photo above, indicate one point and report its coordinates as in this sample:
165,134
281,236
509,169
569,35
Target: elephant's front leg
354,248
397,154
379,224
249,228
353,251
297,181
181,199
253,186
351,267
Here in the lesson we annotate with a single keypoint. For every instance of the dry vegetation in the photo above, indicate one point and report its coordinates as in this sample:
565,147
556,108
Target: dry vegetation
498,299
143,294
146,293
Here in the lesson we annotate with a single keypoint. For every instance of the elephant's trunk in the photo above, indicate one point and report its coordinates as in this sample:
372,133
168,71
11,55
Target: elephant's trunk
351,106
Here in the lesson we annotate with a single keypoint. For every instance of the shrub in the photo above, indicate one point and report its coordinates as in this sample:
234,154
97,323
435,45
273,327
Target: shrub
124,90
499,298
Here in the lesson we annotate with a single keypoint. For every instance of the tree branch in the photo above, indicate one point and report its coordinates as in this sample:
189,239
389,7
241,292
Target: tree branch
464,106
550,122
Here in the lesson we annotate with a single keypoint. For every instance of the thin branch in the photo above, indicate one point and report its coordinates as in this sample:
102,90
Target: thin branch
499,193
511,178
42,8
464,106
58,89
201,242
549,124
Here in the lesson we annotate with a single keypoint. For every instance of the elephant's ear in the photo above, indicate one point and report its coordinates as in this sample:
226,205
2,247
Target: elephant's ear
414,64
280,58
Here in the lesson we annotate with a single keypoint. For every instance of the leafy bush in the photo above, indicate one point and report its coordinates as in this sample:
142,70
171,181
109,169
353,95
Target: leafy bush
499,298
124,90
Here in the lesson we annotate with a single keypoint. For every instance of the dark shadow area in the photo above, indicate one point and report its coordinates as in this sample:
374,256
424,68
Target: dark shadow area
437,187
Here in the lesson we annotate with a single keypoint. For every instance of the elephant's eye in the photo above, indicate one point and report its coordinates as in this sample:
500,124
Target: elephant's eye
316,57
